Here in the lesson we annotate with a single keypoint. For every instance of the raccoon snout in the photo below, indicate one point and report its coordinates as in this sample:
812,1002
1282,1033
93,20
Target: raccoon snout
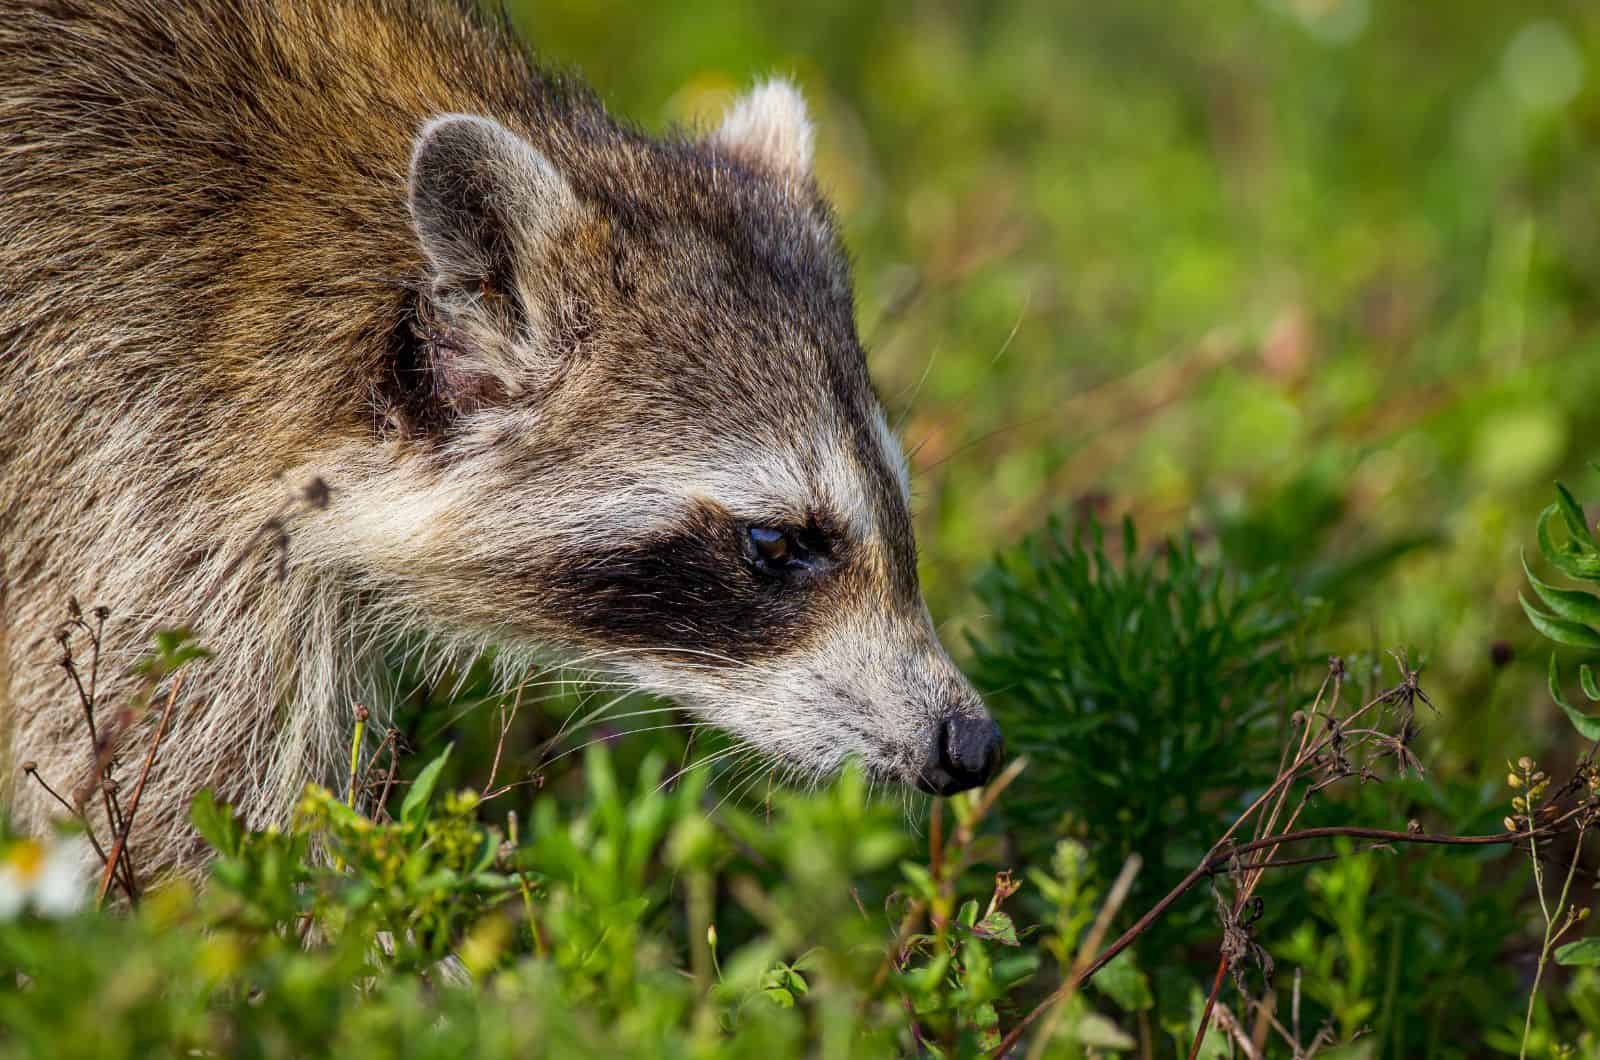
967,752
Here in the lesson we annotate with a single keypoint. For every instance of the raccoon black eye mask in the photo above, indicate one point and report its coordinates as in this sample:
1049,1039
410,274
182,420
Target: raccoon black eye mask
558,375
787,550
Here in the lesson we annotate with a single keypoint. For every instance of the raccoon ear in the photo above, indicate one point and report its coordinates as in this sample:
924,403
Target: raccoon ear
483,201
489,210
768,127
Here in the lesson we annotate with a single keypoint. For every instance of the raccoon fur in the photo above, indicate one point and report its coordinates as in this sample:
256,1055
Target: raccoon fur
576,392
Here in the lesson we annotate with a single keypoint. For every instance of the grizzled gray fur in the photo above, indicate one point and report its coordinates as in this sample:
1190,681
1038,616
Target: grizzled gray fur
577,392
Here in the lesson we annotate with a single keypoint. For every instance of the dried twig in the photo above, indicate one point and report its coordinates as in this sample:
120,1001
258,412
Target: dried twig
1318,761
138,792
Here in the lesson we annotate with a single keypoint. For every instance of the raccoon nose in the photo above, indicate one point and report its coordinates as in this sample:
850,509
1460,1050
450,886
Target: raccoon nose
969,753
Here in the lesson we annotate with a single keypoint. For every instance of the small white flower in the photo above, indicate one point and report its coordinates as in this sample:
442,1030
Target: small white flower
50,875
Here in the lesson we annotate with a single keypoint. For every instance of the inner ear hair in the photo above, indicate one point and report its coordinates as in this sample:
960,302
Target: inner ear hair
489,211
482,199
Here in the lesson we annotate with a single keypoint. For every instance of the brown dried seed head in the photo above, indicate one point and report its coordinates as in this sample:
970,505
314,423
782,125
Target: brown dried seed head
30,766
316,493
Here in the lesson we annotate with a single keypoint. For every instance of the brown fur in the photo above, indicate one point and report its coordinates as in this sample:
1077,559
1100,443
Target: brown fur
212,289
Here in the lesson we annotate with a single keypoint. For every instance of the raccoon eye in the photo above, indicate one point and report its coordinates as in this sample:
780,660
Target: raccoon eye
778,550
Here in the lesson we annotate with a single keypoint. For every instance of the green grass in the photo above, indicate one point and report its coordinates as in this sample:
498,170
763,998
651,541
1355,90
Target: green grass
1311,286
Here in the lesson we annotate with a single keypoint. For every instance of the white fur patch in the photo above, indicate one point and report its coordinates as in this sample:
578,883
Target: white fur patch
768,126
894,454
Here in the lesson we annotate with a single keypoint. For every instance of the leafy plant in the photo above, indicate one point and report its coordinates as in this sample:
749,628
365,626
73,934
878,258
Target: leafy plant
1573,620
1147,688
433,933
1573,616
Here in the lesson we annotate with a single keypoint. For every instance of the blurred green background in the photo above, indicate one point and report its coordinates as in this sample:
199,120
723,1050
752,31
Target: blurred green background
1318,276
1310,285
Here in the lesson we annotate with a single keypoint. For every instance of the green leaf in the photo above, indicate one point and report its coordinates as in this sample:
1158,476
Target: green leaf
415,808
1584,953
1588,728
998,927
173,648
1096,1031
1586,679
1573,605
1125,984
920,879
1572,634
1572,511
781,998
1569,559
215,823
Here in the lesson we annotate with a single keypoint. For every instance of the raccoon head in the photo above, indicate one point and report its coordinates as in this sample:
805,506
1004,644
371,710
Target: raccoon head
650,439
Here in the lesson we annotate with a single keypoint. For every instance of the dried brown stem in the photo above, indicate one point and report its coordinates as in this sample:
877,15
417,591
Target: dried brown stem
138,792
506,720
1211,1004
1214,862
33,771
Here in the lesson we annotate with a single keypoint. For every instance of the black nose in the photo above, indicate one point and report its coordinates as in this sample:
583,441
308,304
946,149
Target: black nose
969,753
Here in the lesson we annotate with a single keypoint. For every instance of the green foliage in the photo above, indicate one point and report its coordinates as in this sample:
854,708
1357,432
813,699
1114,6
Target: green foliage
433,935
1146,688
1196,256
1572,618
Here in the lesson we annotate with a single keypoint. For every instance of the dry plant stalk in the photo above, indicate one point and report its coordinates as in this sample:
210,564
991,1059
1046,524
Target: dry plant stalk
118,849
107,735
1529,806
1332,746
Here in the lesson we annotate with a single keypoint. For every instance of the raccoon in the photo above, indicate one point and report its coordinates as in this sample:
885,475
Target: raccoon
576,392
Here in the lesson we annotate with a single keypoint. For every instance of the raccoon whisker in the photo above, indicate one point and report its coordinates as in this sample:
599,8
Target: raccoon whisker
702,763
735,776
656,651
967,446
1022,314
619,735
624,717
482,701
566,725
760,769
911,403
720,656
